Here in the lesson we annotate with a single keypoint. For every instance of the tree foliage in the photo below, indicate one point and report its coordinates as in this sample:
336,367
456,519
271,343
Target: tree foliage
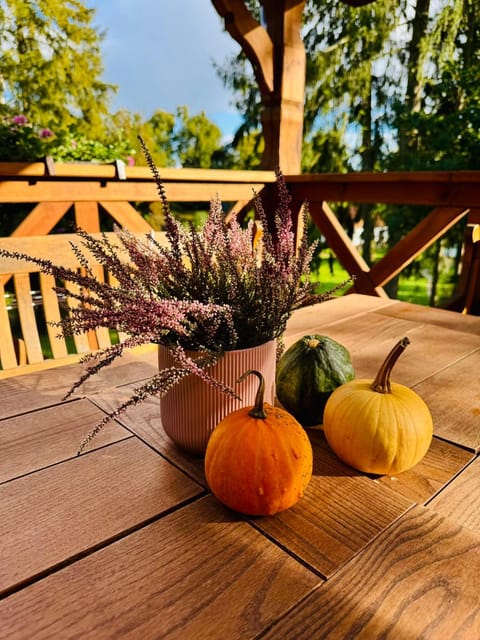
197,139
390,85
50,68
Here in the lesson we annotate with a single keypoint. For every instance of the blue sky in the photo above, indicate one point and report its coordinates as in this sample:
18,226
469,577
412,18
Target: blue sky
160,53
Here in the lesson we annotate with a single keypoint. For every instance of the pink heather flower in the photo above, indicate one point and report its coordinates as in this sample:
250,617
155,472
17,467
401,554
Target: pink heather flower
74,144
220,287
45,133
130,161
19,119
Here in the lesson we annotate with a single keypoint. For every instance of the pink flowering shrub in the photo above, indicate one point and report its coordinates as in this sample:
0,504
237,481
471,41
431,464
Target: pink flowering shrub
19,140
22,141
212,289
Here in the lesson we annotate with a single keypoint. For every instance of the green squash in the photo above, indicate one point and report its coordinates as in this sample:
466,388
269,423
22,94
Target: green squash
307,374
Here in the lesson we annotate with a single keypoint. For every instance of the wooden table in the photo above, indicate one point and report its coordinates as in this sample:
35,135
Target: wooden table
127,541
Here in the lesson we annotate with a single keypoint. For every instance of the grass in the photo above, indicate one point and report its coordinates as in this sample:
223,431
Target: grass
414,288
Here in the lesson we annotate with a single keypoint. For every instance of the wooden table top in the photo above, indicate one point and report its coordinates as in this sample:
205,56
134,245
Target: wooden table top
126,541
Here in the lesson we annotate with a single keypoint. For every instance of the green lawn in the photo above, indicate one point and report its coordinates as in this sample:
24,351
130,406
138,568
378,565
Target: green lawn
412,289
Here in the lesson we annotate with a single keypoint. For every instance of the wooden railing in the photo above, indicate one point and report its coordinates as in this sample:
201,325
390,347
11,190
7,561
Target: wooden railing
452,196
53,189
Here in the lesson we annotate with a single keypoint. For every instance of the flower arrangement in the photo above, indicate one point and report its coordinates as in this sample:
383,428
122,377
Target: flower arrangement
209,290
23,141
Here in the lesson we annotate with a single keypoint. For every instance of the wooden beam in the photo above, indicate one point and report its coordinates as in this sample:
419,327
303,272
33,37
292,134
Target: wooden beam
252,37
87,216
108,171
126,216
432,227
8,358
42,218
346,252
87,191
283,109
457,188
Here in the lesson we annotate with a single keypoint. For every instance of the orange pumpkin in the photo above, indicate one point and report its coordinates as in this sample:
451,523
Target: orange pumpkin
258,459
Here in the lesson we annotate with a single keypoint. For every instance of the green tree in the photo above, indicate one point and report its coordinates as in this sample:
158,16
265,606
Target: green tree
157,133
50,67
196,139
438,122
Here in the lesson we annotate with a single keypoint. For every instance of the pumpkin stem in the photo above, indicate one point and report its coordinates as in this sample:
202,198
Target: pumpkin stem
257,411
381,384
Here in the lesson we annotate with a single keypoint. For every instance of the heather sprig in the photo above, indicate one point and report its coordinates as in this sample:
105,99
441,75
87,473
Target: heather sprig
223,286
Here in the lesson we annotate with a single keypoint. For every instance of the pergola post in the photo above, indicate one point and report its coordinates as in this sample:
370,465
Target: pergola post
277,54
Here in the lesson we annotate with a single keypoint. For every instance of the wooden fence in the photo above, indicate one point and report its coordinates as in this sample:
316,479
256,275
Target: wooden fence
54,189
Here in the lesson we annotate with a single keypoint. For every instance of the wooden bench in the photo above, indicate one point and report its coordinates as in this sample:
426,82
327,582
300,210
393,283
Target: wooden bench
28,306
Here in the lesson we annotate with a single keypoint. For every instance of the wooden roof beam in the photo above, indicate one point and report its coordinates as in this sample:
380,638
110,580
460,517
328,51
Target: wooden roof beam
252,37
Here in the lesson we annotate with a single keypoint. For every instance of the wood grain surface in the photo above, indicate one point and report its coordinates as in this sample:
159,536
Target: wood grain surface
35,440
453,396
460,500
55,514
418,579
124,542
197,573
440,464
431,316
341,512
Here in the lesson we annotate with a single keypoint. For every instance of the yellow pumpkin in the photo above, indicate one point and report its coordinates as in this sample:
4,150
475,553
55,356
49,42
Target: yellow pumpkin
378,426
258,459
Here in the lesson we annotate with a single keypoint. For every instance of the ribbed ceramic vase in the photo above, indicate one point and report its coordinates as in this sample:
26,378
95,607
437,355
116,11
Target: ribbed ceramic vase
192,408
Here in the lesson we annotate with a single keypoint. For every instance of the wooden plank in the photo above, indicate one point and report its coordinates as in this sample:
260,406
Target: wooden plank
100,170
27,318
144,421
437,317
455,409
252,37
47,386
418,579
36,440
472,294
22,169
87,216
81,340
440,464
126,216
124,191
313,318
423,235
432,188
431,348
52,314
341,512
48,363
56,247
460,500
73,507
463,298
198,572
373,333
370,336
42,218
8,358
100,338
338,240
